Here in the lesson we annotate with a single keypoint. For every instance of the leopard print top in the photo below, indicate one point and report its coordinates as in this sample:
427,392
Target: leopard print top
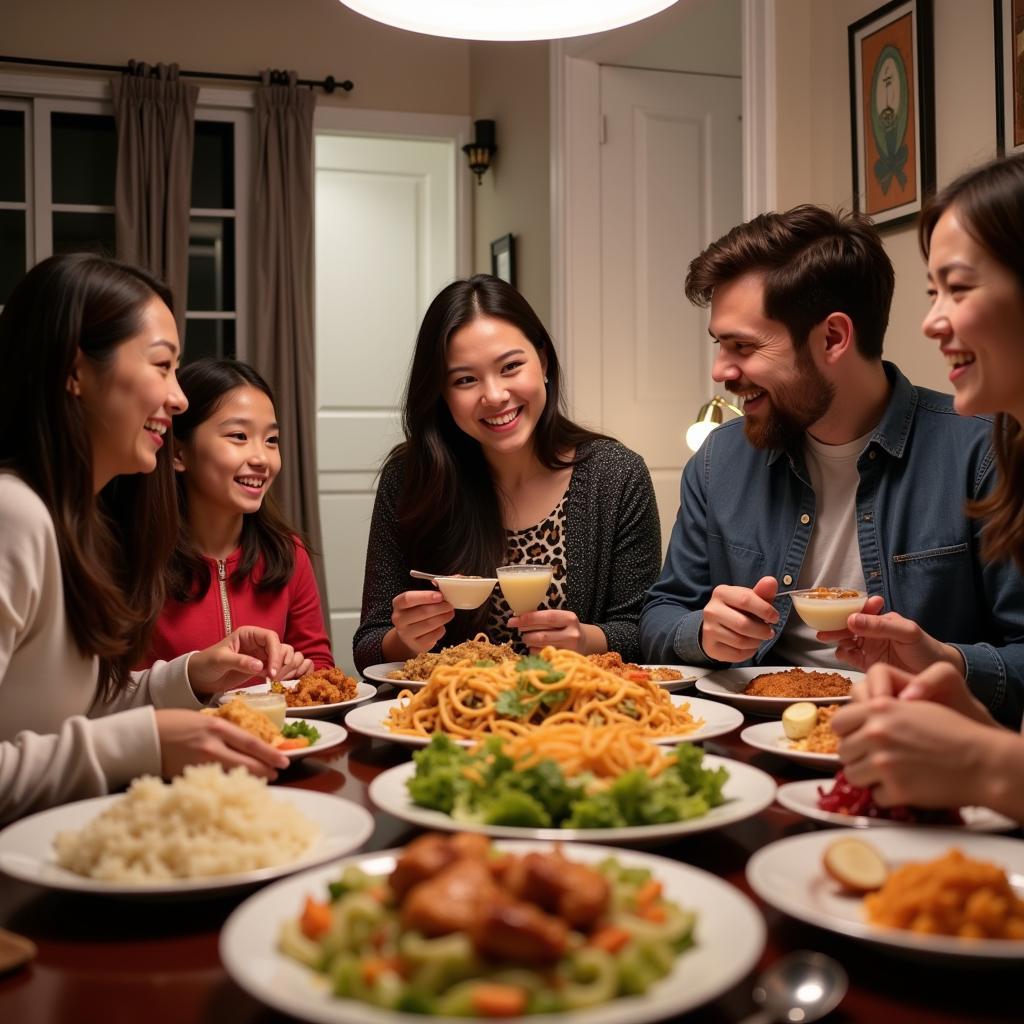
543,542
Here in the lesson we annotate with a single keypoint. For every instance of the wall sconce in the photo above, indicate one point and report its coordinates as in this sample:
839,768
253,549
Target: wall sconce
709,417
481,149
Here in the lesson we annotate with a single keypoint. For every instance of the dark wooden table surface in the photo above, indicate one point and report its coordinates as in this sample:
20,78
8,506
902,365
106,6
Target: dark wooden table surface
114,961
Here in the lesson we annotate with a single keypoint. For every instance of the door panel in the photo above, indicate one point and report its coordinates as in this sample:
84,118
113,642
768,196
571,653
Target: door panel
385,245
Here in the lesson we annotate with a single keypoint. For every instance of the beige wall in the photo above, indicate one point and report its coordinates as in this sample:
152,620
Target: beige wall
392,70
509,84
814,154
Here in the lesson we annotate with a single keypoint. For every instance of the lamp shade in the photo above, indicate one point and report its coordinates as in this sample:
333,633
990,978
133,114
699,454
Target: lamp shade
507,19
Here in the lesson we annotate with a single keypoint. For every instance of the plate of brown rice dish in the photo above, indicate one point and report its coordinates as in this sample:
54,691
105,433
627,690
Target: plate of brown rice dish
769,689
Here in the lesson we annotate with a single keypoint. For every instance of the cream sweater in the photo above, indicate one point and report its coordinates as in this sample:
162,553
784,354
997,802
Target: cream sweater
53,746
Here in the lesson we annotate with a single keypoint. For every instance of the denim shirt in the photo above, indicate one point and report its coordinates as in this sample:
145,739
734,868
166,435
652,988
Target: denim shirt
746,513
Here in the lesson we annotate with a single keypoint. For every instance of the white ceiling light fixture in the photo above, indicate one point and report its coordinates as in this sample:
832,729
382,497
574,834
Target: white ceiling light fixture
508,19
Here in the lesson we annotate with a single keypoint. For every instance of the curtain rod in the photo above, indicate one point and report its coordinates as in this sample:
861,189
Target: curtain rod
328,84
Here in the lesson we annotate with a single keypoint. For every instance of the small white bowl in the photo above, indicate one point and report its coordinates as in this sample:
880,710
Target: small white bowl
827,608
466,592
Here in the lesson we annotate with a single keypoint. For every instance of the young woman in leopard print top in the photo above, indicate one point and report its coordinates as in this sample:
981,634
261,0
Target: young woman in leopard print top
491,472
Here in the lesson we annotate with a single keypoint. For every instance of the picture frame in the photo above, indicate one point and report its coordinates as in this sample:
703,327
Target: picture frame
1008,21
892,110
503,258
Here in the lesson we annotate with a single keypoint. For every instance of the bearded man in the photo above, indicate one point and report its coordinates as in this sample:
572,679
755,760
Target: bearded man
841,473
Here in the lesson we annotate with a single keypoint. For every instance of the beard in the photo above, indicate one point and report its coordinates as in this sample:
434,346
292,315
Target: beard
792,407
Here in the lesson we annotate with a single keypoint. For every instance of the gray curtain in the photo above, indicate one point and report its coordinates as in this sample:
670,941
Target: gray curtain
283,346
155,118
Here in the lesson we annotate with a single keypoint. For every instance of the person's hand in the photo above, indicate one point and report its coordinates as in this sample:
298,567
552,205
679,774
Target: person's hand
552,627
872,637
419,618
939,683
913,752
298,667
187,737
737,620
244,653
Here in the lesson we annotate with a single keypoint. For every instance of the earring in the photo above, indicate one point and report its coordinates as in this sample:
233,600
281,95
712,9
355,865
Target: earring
545,380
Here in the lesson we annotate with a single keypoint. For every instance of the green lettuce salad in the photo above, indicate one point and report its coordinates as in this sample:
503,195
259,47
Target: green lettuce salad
485,787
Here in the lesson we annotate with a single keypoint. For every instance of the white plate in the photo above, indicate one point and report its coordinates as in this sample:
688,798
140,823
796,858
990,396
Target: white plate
381,674
788,875
330,736
718,719
748,792
26,847
364,691
728,684
730,936
802,798
771,737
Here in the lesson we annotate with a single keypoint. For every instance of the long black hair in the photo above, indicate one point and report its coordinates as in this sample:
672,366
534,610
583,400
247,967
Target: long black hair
206,383
449,510
989,202
113,546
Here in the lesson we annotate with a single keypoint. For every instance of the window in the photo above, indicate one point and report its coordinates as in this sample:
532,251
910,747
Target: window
57,181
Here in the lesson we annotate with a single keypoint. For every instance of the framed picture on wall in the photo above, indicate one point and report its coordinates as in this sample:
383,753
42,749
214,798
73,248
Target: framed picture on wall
503,258
892,110
1009,35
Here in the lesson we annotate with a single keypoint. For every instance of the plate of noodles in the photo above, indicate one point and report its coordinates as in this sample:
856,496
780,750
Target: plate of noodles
160,840
720,936
471,701
775,687
745,792
938,879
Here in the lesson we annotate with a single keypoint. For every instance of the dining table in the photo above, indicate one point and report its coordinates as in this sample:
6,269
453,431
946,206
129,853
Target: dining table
132,961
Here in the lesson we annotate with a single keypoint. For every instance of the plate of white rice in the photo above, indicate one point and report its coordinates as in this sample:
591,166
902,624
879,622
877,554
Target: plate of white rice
208,830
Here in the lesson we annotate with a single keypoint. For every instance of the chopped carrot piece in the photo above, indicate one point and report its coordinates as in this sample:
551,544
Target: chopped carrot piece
373,967
499,1000
610,938
316,918
648,892
655,914
294,743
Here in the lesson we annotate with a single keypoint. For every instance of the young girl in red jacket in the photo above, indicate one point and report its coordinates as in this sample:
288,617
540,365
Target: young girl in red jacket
236,561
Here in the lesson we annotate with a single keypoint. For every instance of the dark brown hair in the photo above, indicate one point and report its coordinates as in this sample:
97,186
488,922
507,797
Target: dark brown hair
206,383
449,512
989,202
113,547
815,262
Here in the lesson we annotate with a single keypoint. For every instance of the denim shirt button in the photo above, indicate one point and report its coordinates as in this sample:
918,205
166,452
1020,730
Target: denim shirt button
872,454
866,517
805,519
787,579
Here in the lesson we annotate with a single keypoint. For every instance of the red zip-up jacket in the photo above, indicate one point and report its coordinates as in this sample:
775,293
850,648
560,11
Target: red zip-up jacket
293,612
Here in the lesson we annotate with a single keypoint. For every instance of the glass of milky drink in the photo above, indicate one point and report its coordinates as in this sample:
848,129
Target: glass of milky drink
827,608
465,592
271,705
524,586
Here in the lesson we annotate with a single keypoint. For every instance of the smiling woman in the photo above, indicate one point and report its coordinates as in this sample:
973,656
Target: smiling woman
491,473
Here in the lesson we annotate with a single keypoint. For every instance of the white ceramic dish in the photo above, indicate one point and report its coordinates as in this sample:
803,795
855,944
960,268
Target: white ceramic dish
330,736
728,684
364,691
730,935
788,875
748,792
769,736
825,615
802,798
381,674
465,592
718,720
26,847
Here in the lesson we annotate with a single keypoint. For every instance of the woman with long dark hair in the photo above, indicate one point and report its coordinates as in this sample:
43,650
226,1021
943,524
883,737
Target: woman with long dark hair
492,472
236,561
87,396
923,739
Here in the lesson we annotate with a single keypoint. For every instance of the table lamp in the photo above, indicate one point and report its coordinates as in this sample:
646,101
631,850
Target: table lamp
709,417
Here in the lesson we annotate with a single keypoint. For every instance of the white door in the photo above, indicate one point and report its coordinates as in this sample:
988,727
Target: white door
671,182
385,245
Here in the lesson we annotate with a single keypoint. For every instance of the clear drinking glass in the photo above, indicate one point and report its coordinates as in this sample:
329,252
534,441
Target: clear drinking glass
524,586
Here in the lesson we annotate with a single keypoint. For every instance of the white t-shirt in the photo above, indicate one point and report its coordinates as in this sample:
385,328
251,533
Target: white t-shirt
833,554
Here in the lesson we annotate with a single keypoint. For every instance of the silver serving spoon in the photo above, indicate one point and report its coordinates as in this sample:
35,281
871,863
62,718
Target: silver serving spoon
417,575
799,988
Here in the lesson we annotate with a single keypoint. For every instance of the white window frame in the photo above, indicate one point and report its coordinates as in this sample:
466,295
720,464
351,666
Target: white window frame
41,95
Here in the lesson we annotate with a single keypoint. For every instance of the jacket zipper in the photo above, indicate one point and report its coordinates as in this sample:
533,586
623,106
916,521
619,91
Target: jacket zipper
222,576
